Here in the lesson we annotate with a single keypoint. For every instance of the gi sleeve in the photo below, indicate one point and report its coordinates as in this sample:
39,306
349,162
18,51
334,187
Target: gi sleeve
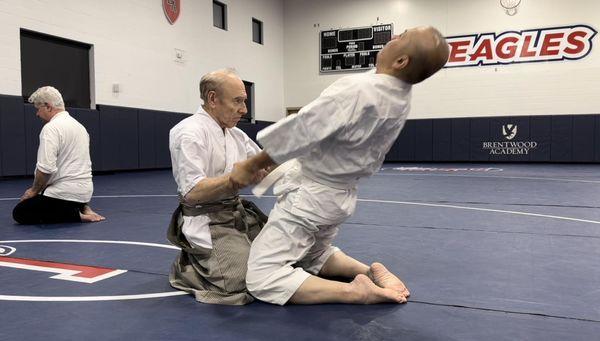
251,147
47,154
189,155
297,134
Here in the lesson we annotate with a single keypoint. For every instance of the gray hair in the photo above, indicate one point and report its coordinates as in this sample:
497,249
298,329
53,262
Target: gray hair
213,81
47,95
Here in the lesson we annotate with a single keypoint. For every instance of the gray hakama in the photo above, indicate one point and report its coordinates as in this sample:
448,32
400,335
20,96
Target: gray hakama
216,275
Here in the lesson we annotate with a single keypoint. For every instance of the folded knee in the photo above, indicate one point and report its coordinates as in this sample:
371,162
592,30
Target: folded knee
254,281
20,215
261,286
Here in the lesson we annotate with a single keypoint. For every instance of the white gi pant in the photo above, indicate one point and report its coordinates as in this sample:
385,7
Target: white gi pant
296,241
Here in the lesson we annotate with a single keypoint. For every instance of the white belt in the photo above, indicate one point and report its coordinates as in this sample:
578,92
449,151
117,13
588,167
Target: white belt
261,188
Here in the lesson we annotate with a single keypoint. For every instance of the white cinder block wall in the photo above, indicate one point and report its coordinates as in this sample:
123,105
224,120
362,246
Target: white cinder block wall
567,87
134,45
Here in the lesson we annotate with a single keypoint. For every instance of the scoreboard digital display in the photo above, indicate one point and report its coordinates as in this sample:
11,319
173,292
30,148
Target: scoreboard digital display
352,48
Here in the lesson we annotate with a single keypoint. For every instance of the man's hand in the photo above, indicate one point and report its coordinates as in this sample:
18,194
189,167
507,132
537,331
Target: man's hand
242,175
260,175
29,193
251,171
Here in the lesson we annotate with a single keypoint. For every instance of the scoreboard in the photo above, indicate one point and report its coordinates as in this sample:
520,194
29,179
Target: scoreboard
352,48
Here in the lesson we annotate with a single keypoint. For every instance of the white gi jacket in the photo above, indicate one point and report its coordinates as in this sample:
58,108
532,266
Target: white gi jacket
345,133
64,152
200,149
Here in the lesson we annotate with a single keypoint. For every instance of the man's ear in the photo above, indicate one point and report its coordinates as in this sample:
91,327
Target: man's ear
401,62
212,98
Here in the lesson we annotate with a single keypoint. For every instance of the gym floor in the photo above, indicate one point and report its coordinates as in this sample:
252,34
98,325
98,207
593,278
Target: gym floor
489,252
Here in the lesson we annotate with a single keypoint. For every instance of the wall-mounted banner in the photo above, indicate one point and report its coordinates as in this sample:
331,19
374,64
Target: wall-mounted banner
536,45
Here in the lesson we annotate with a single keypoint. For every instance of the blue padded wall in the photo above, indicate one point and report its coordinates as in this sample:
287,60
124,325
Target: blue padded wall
479,132
424,140
405,148
583,138
12,136
33,126
251,129
460,139
130,138
555,138
442,143
597,139
562,136
146,139
119,145
90,119
540,130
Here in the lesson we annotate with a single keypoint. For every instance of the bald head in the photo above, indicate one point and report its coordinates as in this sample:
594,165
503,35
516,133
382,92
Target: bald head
224,96
415,55
215,81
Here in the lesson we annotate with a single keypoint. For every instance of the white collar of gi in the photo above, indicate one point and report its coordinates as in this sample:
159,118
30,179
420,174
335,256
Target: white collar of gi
215,124
395,80
62,113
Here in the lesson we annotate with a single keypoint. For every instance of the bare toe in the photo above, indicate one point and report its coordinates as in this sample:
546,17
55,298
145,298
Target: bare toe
385,279
91,218
369,293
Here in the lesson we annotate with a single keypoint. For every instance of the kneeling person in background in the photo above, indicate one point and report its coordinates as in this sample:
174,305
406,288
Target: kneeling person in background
63,186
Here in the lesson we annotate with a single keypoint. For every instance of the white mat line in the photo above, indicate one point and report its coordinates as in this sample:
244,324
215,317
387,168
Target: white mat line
126,242
389,202
116,196
490,176
482,209
89,298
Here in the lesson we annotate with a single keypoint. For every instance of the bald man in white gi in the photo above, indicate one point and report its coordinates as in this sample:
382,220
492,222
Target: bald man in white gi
212,225
337,139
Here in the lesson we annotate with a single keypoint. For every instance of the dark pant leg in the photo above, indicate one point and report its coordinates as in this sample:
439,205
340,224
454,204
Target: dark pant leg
45,210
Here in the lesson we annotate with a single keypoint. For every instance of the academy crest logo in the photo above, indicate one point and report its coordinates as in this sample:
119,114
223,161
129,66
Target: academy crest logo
172,8
537,45
512,146
509,131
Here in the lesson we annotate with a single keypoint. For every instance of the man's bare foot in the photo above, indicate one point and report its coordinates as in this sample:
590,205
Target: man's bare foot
89,216
385,279
368,293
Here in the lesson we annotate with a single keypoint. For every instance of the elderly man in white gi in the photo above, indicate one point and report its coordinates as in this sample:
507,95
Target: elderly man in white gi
337,139
62,186
212,226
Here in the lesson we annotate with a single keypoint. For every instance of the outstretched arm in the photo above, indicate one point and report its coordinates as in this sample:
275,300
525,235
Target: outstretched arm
220,187
211,189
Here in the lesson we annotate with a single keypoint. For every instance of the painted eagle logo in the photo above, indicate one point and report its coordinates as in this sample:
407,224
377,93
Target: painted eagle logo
509,131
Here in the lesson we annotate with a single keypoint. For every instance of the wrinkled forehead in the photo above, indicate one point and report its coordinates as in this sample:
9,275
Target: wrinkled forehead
233,86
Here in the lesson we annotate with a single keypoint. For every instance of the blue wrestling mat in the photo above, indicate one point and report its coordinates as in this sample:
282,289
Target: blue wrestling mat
489,252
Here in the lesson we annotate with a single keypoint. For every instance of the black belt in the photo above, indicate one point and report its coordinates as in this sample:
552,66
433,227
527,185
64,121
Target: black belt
218,206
